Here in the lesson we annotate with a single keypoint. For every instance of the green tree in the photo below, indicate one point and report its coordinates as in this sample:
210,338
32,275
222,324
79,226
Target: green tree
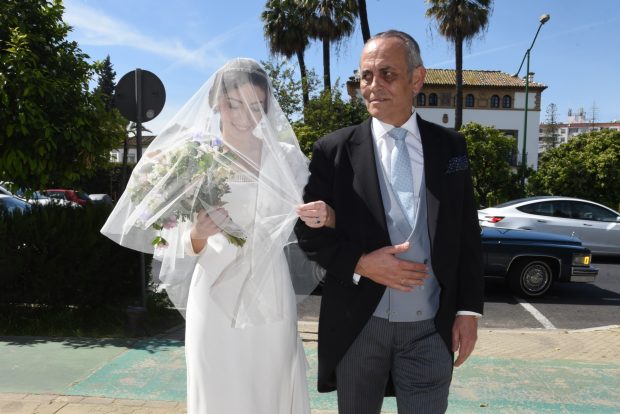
490,152
106,82
550,134
459,21
286,31
286,89
587,166
326,113
331,22
52,128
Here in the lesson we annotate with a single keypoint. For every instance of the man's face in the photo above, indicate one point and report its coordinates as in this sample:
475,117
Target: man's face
387,86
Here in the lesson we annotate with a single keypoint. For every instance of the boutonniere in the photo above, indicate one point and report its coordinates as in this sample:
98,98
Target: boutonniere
456,164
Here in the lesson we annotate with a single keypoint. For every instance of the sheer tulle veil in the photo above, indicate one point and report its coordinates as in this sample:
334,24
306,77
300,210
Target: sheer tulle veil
190,167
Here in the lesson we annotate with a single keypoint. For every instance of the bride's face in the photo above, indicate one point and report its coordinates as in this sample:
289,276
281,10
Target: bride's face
241,109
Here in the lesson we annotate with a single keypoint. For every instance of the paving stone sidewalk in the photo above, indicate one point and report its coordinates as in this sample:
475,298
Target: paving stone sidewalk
511,372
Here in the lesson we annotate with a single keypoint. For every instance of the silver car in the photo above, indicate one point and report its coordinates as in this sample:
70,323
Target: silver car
597,226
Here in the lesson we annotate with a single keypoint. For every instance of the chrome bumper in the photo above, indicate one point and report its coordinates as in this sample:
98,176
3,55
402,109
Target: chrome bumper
583,274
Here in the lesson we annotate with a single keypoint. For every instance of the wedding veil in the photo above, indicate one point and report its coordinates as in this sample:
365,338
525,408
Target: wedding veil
191,166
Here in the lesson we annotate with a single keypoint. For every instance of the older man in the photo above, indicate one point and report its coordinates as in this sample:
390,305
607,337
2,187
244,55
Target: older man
404,281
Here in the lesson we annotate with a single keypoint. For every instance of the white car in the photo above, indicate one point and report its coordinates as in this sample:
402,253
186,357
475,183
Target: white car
597,226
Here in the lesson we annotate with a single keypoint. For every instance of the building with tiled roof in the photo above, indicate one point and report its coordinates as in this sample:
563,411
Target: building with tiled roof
576,124
490,97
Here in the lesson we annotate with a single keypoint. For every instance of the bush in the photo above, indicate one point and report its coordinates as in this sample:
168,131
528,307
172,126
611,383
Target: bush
56,257
587,166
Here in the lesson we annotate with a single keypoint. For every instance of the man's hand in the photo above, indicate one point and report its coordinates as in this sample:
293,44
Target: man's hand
384,268
464,335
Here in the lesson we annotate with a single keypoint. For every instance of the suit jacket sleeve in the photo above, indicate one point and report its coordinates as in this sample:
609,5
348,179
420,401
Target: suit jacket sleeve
328,247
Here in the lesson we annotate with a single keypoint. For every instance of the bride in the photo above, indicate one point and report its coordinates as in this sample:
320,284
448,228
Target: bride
217,195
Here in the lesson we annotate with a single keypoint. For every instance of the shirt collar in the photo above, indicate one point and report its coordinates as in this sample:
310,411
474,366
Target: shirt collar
381,128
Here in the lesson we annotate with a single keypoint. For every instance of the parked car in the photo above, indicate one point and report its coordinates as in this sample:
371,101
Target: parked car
36,197
531,261
79,197
597,226
10,204
33,197
101,199
4,190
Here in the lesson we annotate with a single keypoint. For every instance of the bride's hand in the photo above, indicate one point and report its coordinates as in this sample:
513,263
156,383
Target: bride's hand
208,223
317,214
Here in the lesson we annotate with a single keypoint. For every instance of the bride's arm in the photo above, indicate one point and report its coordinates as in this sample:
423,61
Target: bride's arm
317,214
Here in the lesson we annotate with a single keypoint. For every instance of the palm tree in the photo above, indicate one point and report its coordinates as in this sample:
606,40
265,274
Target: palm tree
332,21
458,21
361,7
286,31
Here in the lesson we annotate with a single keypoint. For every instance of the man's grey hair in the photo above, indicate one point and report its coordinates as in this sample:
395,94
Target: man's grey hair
414,59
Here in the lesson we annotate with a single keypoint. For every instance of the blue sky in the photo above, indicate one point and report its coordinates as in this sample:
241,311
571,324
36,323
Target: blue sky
185,41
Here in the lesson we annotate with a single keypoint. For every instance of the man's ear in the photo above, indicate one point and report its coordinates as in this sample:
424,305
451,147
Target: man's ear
419,74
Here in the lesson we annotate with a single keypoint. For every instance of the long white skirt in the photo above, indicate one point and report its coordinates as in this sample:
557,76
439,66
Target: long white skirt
258,369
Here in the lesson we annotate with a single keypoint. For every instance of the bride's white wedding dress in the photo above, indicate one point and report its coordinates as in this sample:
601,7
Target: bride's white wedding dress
259,369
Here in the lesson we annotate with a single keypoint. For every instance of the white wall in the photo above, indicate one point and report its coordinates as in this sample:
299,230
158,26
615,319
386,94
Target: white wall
519,102
500,119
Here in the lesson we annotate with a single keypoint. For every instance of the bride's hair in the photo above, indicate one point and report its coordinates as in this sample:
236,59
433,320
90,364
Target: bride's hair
236,73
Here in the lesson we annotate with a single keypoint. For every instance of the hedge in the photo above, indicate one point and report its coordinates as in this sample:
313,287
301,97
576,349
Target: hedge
56,257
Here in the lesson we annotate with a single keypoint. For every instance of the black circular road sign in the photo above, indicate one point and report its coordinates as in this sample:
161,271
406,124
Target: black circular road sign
139,95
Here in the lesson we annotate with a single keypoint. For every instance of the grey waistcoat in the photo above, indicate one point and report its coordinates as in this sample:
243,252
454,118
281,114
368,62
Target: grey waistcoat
421,303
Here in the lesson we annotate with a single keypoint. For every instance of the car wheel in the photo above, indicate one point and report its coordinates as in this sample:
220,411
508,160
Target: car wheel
530,277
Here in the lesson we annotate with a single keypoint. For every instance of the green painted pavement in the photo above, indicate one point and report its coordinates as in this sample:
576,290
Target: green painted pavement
500,385
51,365
151,370
154,369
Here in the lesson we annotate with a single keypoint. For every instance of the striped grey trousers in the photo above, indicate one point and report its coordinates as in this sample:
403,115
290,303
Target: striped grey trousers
415,356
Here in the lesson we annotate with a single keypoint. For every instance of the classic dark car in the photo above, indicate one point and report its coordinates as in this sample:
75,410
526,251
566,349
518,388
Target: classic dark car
532,261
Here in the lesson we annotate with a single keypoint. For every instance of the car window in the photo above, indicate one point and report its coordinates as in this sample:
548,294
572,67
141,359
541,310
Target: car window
555,208
544,208
55,194
562,209
82,196
586,211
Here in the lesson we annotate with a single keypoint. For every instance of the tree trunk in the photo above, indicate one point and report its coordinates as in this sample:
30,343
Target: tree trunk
361,6
304,78
326,79
458,112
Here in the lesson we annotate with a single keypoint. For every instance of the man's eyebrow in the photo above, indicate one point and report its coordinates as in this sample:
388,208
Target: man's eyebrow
381,68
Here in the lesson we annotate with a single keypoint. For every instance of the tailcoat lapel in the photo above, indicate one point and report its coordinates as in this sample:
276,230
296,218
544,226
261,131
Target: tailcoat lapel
365,179
433,171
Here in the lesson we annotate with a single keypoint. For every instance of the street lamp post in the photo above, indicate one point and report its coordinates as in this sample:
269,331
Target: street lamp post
543,19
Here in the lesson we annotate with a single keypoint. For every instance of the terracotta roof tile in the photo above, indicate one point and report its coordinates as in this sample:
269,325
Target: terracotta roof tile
476,78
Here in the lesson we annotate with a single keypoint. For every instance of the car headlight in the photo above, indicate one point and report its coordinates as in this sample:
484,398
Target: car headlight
580,259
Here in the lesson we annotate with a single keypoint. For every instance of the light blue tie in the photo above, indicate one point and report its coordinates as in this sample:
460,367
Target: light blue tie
401,176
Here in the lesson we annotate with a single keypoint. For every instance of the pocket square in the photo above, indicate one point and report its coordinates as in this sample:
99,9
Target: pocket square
456,164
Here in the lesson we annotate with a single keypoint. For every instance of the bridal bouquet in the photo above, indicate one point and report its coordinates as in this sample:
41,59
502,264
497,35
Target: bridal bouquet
170,187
